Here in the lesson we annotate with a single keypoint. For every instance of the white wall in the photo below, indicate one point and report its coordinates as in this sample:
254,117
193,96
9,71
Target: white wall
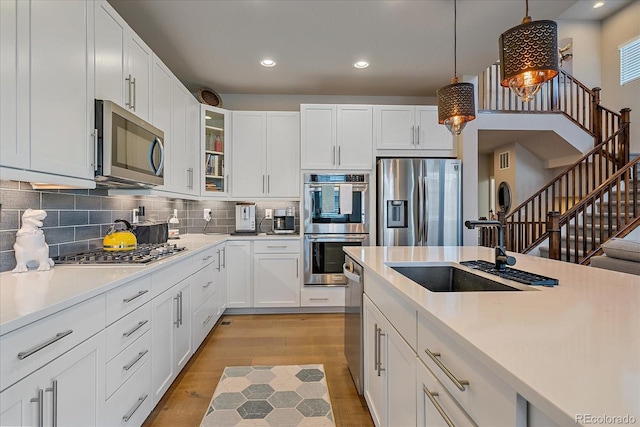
616,30
485,172
506,175
586,36
530,174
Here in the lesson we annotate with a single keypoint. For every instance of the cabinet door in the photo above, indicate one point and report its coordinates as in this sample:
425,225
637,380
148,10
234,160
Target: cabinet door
214,127
110,33
221,279
176,146
139,60
400,363
394,127
283,154
161,110
431,135
249,130
14,136
164,309
182,343
276,280
375,379
318,136
61,92
193,144
19,404
355,137
239,277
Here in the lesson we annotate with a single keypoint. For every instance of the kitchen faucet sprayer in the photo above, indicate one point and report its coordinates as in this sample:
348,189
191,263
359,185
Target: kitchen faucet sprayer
501,257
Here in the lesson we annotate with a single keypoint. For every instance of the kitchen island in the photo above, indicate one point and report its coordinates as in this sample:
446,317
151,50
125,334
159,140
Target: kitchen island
571,353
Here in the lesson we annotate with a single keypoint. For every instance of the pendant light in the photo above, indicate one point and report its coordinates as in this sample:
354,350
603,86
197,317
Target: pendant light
528,56
456,101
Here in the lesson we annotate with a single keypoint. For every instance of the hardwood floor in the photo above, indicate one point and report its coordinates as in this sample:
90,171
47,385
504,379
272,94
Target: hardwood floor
268,339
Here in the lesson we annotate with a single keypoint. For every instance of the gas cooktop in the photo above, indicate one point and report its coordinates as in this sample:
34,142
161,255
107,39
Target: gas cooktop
143,254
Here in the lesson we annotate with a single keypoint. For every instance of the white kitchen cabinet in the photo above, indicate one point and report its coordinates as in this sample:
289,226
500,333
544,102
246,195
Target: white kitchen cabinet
221,277
389,371
69,391
402,127
322,296
336,136
266,145
47,90
205,300
123,62
171,336
239,274
276,272
214,125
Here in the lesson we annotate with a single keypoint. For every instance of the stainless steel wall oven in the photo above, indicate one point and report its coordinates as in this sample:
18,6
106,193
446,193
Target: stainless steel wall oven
336,214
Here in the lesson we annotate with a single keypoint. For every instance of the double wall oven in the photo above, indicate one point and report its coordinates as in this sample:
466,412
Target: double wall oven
336,214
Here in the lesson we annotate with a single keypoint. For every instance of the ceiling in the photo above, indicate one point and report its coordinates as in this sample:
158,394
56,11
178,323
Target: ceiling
409,44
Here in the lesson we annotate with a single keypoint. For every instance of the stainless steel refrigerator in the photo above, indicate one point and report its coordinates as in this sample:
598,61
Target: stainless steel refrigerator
419,202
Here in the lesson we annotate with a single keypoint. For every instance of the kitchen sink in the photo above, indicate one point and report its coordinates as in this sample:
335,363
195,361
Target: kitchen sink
448,278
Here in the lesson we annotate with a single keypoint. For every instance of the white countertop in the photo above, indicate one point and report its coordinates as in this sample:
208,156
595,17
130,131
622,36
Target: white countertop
571,349
30,296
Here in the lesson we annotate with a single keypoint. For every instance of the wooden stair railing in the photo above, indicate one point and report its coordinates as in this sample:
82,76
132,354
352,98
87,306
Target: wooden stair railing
611,209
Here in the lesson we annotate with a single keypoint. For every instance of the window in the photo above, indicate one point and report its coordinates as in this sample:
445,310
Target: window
503,159
630,61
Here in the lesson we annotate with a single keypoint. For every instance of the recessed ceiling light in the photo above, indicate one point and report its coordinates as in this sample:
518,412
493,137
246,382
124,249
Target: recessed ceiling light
268,63
598,5
361,64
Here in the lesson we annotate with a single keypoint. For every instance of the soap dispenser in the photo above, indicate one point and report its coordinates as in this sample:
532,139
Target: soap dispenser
174,225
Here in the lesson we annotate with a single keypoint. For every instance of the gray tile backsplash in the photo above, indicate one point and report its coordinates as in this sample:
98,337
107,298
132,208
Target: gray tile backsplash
78,219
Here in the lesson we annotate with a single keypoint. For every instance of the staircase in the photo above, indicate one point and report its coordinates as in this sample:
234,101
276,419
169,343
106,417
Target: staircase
596,198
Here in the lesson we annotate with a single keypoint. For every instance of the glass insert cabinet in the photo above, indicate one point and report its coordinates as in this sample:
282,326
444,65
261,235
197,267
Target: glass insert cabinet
214,144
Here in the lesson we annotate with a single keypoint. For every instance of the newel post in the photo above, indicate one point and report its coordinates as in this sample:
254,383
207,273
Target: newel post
625,125
553,227
502,217
596,115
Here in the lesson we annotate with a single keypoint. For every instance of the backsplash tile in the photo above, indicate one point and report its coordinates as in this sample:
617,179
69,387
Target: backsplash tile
78,219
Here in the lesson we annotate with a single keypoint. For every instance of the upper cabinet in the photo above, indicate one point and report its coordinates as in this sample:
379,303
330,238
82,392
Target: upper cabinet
123,63
46,114
336,136
401,127
213,144
266,154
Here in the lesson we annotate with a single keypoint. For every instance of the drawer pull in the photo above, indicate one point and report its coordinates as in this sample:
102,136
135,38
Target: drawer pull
276,246
134,361
135,328
207,319
432,397
59,336
139,294
207,285
318,299
458,383
207,257
133,410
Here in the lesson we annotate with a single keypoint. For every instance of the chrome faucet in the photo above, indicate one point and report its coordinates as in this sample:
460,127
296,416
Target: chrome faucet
501,257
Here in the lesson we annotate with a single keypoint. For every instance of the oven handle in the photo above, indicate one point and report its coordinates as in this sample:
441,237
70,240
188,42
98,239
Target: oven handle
351,276
337,237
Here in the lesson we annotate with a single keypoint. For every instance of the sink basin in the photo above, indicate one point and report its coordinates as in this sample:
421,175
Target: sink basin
447,278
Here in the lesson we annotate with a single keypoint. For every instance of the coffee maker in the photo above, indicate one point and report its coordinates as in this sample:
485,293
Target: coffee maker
284,221
245,218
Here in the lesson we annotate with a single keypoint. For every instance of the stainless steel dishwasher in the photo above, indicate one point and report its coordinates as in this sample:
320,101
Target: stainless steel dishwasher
353,347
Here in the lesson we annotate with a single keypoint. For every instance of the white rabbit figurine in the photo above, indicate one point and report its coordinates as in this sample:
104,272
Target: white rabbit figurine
30,247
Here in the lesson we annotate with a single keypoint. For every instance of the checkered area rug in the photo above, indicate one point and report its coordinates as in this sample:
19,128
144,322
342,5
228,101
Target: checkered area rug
278,396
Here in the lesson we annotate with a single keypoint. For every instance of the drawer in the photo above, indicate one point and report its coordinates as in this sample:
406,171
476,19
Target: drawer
442,407
206,257
276,246
126,298
28,348
316,296
169,276
203,286
125,364
399,312
204,319
132,403
485,397
126,330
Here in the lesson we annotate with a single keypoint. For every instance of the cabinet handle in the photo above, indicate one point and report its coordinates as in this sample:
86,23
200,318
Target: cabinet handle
207,257
375,347
297,268
268,183
95,149
135,328
177,322
432,397
318,299
133,410
380,335
339,155
276,246
224,257
139,294
133,101
207,319
333,156
458,383
418,135
136,360
54,402
207,285
128,80
263,184
218,260
40,401
226,183
59,336
181,307
413,134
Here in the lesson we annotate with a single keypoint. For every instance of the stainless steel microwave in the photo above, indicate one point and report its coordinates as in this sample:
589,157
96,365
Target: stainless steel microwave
129,151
